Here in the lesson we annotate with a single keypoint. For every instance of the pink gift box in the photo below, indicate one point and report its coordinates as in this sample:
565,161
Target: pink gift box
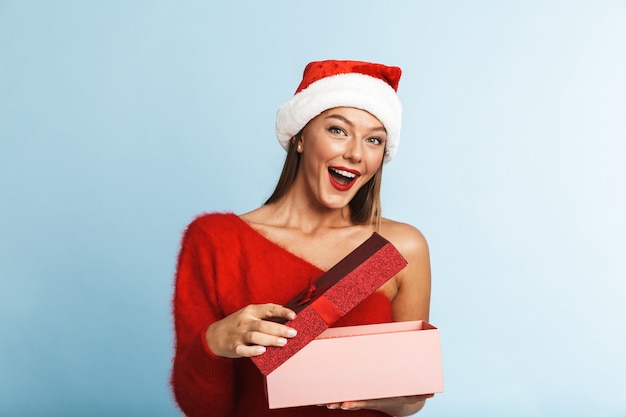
360,362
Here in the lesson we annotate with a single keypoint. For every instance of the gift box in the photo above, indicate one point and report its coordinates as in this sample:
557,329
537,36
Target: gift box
334,294
360,362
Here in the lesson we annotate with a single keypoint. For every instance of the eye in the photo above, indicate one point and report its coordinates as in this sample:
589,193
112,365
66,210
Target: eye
336,130
374,141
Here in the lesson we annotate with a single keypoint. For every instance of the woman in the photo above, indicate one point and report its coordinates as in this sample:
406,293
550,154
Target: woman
235,272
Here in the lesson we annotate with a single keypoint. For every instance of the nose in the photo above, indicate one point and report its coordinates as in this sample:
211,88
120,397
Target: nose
354,150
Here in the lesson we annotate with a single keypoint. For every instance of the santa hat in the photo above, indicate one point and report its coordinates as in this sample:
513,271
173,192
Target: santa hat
328,84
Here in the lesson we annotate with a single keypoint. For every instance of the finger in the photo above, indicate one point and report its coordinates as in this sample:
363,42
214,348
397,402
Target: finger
275,329
264,339
254,343
352,405
358,405
247,351
383,402
277,311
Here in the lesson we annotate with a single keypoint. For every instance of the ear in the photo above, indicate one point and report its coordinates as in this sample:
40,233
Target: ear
298,142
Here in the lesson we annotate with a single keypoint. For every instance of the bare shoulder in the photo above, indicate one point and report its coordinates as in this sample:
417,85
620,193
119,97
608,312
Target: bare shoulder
407,238
410,290
258,215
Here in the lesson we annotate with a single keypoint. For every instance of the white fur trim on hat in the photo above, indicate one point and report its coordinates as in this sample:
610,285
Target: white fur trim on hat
342,90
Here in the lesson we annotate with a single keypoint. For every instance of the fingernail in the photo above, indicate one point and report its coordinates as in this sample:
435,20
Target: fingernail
281,341
291,316
260,349
292,332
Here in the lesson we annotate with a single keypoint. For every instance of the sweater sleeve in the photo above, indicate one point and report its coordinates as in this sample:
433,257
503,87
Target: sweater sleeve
203,383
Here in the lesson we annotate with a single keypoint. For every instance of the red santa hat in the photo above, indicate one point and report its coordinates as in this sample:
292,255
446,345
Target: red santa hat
328,84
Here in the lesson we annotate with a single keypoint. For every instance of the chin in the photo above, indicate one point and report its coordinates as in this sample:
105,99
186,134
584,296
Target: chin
336,204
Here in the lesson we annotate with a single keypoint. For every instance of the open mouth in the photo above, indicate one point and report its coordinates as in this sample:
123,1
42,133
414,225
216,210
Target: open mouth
342,178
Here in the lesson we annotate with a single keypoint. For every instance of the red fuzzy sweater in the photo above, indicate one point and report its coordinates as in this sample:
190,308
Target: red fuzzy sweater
224,265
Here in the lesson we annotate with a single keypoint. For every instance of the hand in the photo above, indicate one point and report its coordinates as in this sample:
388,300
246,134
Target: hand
246,333
396,406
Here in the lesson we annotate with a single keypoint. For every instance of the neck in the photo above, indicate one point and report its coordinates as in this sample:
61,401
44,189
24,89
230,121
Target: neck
296,213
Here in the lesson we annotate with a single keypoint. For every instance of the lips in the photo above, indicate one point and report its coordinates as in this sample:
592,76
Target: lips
343,178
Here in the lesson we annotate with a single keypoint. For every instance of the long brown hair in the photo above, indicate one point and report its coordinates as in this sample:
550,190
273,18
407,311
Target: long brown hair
365,206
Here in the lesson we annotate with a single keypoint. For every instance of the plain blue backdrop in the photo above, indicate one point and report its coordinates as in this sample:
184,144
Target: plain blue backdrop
121,121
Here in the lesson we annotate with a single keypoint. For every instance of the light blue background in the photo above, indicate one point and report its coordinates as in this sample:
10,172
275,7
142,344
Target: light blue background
121,121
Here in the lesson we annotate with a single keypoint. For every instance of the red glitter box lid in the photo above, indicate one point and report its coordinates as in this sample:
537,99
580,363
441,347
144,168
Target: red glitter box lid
334,294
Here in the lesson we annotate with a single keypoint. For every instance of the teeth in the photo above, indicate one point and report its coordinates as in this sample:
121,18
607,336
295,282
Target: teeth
344,173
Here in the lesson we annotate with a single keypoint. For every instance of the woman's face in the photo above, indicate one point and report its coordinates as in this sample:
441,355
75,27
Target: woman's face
342,148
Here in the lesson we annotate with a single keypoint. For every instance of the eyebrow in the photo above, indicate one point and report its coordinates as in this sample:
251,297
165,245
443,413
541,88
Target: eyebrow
348,122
